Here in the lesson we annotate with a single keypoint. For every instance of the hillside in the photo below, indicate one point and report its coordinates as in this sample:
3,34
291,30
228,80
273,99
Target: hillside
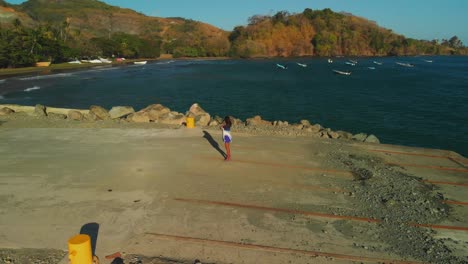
59,30
327,33
76,22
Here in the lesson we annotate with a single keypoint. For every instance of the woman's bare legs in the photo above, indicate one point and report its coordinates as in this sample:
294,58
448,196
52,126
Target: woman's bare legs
228,150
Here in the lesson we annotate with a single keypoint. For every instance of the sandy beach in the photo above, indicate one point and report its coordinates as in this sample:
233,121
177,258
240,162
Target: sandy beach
163,194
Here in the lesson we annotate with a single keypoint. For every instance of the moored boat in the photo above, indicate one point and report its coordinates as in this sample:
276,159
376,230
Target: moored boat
43,64
103,60
140,62
281,66
302,65
350,63
342,72
405,64
378,63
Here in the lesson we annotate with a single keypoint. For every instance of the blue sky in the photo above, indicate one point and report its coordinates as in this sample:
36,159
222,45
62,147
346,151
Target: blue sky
420,19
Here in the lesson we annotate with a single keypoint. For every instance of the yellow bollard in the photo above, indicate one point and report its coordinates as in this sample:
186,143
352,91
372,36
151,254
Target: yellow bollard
79,250
190,122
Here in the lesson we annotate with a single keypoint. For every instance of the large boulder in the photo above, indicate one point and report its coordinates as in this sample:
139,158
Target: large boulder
56,116
360,137
372,139
315,128
155,111
236,121
6,111
40,110
257,121
305,123
172,118
196,110
121,111
216,121
75,115
344,134
298,126
202,118
98,113
333,134
139,117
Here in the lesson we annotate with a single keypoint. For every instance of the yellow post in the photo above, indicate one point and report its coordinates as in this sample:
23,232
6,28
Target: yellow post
79,250
190,122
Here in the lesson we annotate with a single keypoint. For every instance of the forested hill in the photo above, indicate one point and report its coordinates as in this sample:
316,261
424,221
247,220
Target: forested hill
327,33
59,30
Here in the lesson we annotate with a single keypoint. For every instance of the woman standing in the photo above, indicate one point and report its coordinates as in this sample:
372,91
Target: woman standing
227,138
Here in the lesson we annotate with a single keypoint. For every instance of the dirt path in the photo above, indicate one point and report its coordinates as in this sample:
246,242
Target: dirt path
167,193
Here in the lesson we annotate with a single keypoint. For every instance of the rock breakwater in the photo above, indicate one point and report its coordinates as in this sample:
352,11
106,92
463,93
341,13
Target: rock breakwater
159,114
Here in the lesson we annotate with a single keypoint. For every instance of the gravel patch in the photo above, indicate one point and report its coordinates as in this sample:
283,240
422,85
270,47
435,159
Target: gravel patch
397,199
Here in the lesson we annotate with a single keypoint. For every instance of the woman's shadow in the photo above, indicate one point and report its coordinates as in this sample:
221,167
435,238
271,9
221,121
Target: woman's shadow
213,143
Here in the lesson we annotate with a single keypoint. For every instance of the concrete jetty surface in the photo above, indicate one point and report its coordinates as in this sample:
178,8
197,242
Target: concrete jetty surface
169,193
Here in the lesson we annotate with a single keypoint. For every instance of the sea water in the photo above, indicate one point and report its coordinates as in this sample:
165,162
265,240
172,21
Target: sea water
425,105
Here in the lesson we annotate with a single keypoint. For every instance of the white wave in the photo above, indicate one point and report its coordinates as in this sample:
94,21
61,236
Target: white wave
58,75
32,88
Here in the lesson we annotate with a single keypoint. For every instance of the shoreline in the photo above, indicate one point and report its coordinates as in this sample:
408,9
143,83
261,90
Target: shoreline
67,67
157,116
62,67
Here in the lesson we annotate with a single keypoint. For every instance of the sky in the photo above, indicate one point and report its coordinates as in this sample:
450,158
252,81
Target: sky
420,19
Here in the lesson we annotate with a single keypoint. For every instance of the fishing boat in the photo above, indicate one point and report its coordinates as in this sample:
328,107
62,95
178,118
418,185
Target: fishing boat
43,64
342,72
350,63
103,60
302,65
75,62
281,66
330,61
405,64
378,63
140,62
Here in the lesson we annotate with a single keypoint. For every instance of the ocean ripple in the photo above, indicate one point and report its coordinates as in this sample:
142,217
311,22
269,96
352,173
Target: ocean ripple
58,75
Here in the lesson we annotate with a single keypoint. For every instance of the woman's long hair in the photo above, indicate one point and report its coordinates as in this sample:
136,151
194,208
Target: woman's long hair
228,122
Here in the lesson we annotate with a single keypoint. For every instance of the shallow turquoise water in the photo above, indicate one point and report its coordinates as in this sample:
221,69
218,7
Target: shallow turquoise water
425,105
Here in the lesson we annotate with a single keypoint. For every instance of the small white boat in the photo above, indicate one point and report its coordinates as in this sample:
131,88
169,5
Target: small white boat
342,72
378,63
301,64
95,61
75,62
405,64
371,68
353,61
281,66
430,61
105,60
330,61
140,62
350,63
